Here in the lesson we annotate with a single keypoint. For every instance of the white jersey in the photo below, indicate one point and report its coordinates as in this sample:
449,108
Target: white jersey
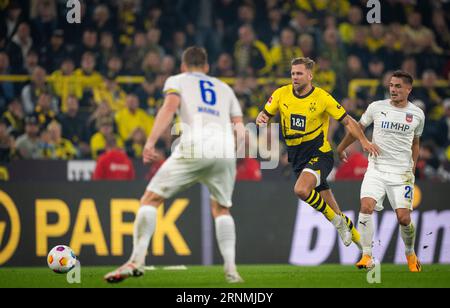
207,105
394,132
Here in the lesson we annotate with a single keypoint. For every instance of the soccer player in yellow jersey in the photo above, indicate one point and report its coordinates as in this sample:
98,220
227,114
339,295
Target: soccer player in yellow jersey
305,111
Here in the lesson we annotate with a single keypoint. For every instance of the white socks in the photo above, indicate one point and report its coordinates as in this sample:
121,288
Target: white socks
226,239
144,226
365,227
408,234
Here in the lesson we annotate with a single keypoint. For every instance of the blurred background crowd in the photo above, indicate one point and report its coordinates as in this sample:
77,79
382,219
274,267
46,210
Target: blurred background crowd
95,87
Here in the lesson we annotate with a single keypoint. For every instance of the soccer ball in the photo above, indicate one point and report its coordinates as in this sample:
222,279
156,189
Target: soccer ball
61,259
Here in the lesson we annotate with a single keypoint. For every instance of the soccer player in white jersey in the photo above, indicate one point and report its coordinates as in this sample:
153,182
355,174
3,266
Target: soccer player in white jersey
207,108
398,126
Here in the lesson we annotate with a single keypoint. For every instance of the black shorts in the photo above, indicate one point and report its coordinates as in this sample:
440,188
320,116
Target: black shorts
315,160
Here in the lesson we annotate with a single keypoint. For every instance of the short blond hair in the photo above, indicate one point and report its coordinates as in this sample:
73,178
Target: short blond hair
307,62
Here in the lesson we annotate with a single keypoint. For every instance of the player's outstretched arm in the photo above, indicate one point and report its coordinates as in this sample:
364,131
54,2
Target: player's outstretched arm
346,142
355,130
162,121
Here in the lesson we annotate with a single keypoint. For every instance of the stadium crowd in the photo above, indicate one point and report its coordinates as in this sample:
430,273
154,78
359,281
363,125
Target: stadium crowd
73,102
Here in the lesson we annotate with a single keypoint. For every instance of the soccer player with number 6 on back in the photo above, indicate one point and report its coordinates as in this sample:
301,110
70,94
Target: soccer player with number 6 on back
398,125
305,112
205,154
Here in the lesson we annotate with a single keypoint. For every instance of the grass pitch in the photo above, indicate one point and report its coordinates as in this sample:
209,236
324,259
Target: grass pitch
259,276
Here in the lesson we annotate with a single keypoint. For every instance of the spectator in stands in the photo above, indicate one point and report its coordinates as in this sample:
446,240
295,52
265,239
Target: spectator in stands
153,37
44,20
114,66
23,39
382,90
302,24
74,126
178,45
32,92
98,140
151,63
355,68
135,53
306,44
354,166
251,56
54,53
8,90
102,21
418,36
409,65
441,27
375,39
107,49
14,118
46,109
390,52
334,50
111,93
168,66
150,95
114,164
324,76
431,95
11,48
132,117
134,146
6,143
88,79
347,29
128,21
428,163
27,145
376,68
89,44
270,32
65,83
437,130
101,112
13,18
283,53
358,46
224,66
58,148
30,63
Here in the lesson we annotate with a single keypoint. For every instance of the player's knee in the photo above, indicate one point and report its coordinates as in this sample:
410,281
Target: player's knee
153,199
217,211
367,206
404,220
302,192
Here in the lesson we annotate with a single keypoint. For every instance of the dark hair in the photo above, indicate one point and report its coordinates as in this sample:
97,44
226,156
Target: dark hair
307,62
406,77
195,57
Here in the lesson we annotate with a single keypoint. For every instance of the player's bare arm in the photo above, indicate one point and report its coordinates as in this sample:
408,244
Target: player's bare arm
346,142
355,130
263,118
415,152
162,122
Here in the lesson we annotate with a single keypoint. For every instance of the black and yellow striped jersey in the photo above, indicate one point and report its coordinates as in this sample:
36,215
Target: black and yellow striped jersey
305,118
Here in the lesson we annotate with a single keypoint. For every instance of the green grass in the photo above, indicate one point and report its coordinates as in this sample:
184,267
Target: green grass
259,276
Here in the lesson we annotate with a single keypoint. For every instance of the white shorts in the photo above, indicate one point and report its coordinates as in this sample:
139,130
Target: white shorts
399,189
178,174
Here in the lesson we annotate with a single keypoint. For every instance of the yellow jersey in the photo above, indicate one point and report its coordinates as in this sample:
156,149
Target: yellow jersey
305,118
